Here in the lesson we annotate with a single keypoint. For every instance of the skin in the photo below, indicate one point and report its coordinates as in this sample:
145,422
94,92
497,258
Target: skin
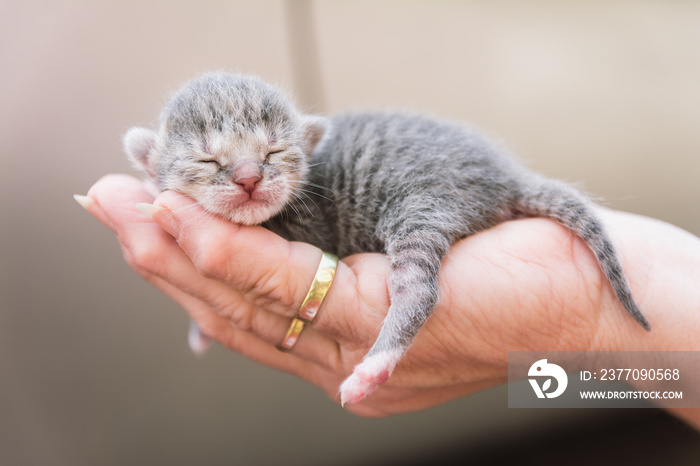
242,285
402,184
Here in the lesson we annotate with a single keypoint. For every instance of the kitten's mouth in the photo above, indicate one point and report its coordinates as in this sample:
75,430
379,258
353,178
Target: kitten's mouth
244,201
246,209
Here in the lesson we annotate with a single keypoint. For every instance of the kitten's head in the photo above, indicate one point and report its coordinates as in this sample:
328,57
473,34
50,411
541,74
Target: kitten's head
233,143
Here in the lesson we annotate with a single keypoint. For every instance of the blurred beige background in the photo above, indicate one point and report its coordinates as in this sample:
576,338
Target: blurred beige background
94,366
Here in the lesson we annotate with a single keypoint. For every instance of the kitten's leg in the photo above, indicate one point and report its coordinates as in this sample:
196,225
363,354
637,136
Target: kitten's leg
415,260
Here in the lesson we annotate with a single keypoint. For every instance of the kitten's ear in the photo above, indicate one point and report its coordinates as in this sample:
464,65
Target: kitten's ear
313,127
138,144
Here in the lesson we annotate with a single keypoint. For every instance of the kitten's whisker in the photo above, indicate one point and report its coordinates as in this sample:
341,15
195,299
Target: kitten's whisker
197,217
182,209
310,200
317,194
306,206
301,219
318,186
298,192
179,210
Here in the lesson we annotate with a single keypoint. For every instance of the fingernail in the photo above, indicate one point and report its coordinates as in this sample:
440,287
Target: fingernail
84,201
149,210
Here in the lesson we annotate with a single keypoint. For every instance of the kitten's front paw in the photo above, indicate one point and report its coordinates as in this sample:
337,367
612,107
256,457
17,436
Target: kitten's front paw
368,376
199,343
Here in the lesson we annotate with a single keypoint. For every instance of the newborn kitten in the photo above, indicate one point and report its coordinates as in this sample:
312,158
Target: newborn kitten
405,185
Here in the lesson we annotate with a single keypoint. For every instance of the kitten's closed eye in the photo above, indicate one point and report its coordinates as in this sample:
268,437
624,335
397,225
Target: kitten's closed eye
273,152
210,162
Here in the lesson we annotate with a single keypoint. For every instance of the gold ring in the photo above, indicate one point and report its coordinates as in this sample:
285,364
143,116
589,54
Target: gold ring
313,300
290,339
319,287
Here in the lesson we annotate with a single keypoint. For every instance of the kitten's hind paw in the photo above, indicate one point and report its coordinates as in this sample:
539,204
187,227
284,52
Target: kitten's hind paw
368,376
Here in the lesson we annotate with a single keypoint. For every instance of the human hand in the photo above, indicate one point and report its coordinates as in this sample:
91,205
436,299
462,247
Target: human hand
523,285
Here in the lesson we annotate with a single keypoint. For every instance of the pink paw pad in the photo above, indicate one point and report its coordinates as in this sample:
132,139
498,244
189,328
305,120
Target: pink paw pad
353,390
367,377
378,378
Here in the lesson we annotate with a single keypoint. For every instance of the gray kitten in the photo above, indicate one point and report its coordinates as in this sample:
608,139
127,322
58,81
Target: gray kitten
405,185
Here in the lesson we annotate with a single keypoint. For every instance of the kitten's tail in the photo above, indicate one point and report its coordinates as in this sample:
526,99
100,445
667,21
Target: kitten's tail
553,199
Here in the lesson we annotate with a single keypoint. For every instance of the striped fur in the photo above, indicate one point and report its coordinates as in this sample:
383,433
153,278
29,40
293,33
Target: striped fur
406,185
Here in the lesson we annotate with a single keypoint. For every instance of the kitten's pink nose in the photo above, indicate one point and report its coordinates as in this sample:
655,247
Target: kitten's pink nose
247,175
248,184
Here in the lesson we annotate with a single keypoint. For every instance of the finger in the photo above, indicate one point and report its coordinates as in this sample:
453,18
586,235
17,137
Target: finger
111,187
154,253
179,274
228,327
249,344
247,258
223,331
263,266
148,249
